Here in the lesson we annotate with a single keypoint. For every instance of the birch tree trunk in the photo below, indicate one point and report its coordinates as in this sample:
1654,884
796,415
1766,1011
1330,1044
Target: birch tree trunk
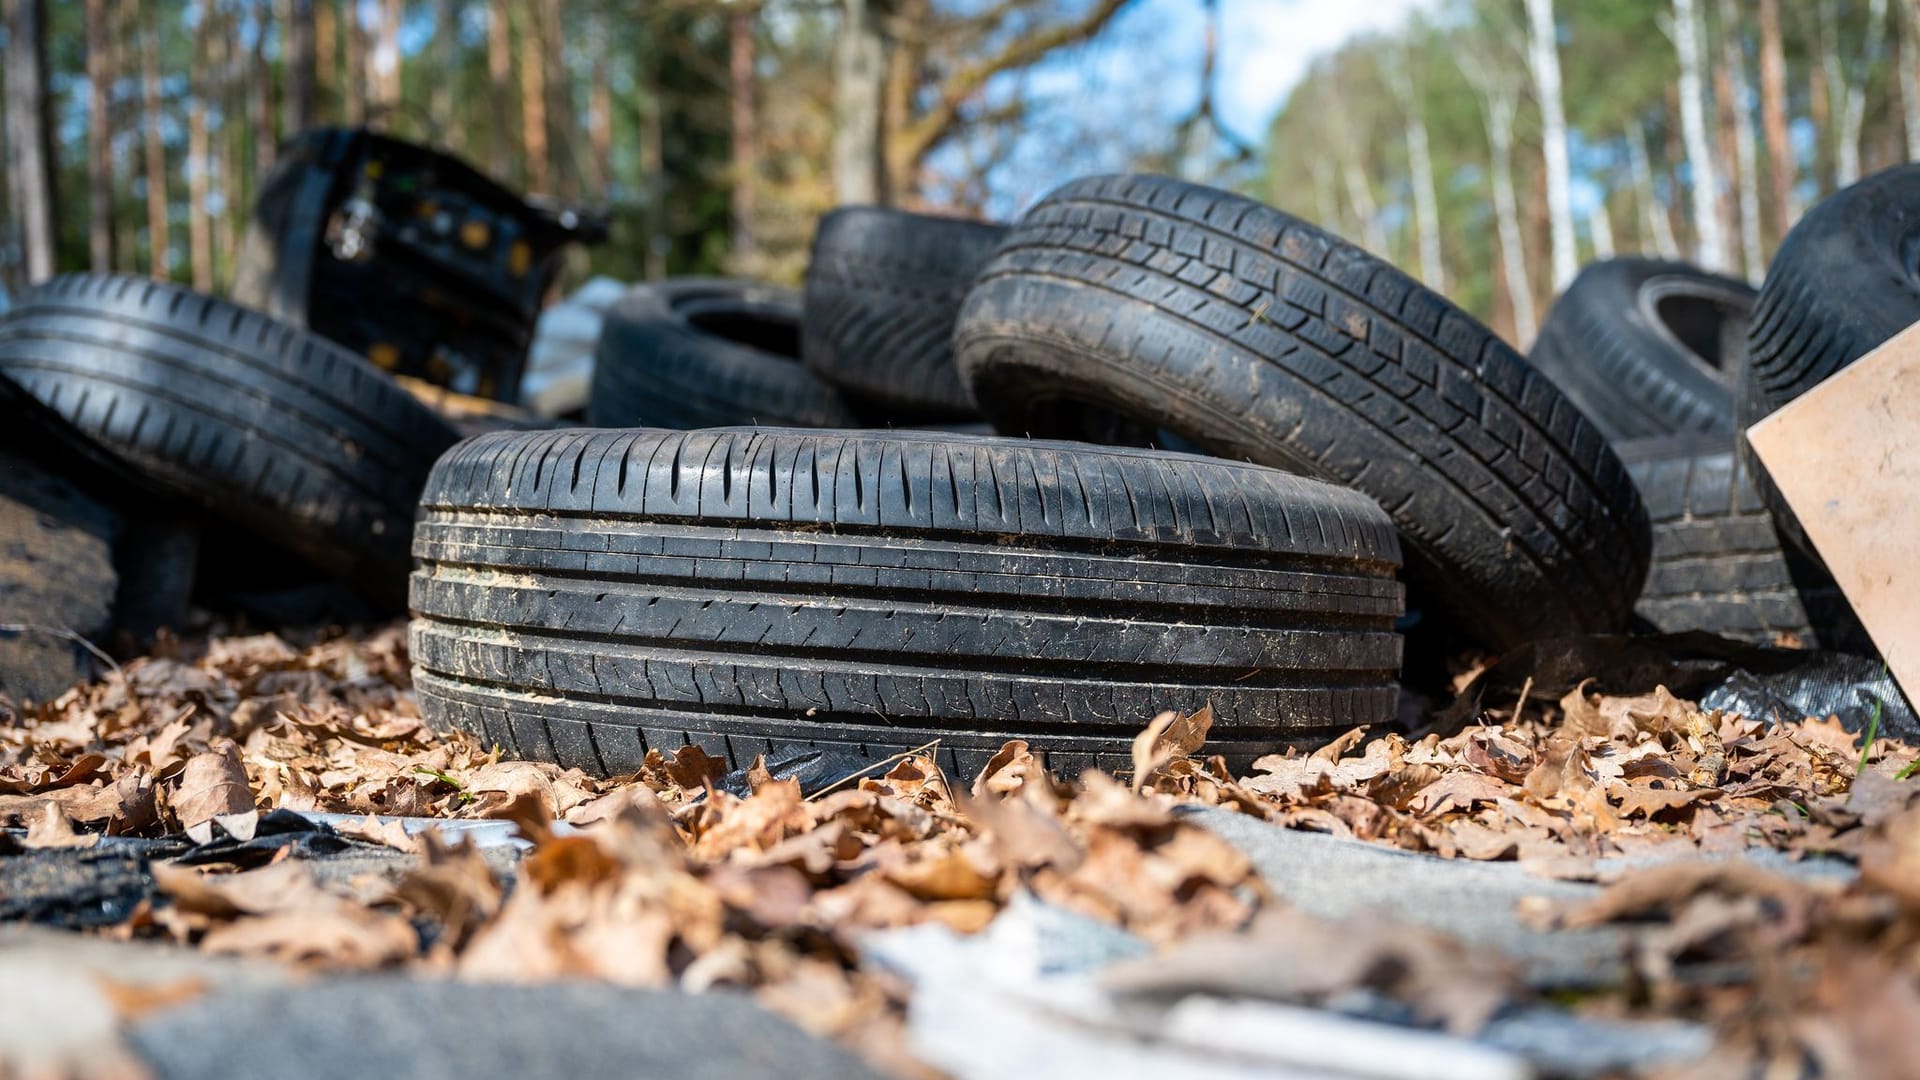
297,58
745,123
1600,227
1543,55
1426,204
1781,170
859,76
29,136
1710,249
1753,258
159,250
199,158
1846,163
100,81
1373,232
1513,252
1659,227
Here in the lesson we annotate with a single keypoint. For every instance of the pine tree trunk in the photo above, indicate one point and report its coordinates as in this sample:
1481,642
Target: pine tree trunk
1710,249
326,47
1907,74
1659,226
354,76
859,75
1543,51
600,110
297,56
740,31
653,175
159,248
1773,116
533,101
199,159
265,140
1726,124
234,93
385,66
1753,257
30,136
100,82
1513,254
562,113
446,28
503,141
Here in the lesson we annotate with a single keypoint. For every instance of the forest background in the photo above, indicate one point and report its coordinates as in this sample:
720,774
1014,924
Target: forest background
1490,147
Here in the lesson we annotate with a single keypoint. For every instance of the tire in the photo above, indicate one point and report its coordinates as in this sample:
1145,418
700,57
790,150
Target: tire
585,596
1718,563
1647,348
882,290
1142,309
295,439
1843,282
707,353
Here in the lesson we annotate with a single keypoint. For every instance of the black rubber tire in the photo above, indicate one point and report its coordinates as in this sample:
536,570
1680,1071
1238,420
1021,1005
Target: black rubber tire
583,596
883,287
1718,563
1647,348
708,353
1128,308
282,432
1844,281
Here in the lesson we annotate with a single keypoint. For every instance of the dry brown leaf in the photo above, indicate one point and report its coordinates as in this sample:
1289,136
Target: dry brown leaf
212,785
1167,738
52,830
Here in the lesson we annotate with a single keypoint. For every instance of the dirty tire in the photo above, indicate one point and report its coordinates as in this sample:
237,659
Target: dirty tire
1647,348
585,596
708,353
1843,282
1146,310
883,287
1718,563
292,437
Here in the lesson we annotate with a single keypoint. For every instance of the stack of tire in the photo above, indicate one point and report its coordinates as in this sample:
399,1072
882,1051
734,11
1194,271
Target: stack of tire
1673,364
1222,433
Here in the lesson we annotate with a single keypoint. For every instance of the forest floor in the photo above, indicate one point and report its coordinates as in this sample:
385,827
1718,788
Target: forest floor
1607,859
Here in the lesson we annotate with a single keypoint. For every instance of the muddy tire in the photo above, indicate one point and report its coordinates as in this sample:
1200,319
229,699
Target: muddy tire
883,287
585,596
708,353
1143,310
297,440
1647,348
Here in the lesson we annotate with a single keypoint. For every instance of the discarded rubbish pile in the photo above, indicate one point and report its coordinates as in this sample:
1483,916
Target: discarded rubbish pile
850,611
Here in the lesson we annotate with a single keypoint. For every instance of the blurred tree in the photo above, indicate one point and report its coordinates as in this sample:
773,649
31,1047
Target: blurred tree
30,160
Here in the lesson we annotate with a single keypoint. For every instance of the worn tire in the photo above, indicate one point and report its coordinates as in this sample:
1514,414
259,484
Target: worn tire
1718,562
290,436
1647,348
1148,304
1843,282
584,596
707,353
883,287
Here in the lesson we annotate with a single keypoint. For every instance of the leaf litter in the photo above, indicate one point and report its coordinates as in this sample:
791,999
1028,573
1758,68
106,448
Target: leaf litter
670,880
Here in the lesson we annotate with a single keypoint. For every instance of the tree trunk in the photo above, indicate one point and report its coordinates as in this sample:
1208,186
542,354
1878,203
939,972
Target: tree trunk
1710,249
297,55
159,249
1907,74
199,158
383,63
1373,233
1846,167
653,175
859,74
30,136
1726,123
740,31
1773,116
354,77
266,141
1543,53
1753,257
533,101
1659,226
326,47
234,93
503,141
1600,227
562,114
1426,203
100,80
1513,254
446,32
600,110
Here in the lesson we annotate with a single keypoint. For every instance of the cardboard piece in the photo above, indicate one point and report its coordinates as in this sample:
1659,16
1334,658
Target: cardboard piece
1846,456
